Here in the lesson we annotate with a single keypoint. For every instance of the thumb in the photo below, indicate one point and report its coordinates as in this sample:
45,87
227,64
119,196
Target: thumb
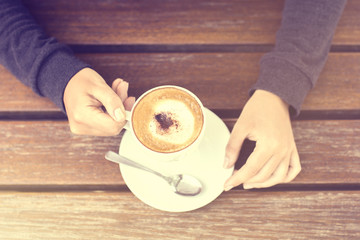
111,101
236,140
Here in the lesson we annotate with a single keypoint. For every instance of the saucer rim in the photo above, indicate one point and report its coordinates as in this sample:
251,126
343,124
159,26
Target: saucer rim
205,199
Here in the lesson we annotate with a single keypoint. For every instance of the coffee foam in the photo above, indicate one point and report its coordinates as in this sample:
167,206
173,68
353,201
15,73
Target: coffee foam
182,122
167,120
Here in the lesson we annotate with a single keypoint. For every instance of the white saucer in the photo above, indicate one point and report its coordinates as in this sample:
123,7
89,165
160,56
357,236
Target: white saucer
205,164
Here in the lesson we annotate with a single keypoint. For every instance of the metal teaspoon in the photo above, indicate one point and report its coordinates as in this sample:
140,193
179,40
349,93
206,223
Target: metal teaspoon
182,184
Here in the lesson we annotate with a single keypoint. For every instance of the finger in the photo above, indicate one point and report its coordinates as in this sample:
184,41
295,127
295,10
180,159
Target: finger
252,166
121,88
111,101
236,140
129,103
277,177
266,172
96,122
116,83
294,166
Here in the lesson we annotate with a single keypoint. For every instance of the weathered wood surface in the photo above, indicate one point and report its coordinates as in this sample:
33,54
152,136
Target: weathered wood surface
47,163
46,153
212,76
234,215
15,96
174,22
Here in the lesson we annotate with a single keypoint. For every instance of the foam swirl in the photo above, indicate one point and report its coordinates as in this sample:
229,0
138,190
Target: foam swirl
181,118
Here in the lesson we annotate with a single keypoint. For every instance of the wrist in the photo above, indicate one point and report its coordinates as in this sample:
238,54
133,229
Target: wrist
270,99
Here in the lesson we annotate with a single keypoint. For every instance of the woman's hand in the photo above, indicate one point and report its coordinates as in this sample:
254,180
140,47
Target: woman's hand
275,159
85,98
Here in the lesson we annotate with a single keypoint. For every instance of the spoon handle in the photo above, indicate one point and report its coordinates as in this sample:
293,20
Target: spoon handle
116,158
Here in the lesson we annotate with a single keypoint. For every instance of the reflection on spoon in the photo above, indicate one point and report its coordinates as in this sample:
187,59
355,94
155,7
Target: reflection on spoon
182,184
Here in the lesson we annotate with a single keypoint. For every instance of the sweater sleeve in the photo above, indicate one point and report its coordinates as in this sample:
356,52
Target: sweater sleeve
302,45
39,61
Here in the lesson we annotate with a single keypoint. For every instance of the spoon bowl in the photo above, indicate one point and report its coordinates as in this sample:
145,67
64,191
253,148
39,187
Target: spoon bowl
181,184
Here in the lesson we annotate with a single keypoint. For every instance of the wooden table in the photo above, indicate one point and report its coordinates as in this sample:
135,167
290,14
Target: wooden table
55,185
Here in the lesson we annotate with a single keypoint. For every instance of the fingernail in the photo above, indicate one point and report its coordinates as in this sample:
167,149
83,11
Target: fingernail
226,162
119,116
228,188
247,187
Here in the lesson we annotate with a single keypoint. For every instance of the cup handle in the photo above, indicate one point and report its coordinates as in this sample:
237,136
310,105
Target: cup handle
128,119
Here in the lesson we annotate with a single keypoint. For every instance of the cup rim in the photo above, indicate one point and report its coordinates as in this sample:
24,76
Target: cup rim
179,88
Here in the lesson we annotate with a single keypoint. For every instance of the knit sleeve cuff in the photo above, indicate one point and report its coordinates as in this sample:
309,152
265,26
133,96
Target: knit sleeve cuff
285,80
56,71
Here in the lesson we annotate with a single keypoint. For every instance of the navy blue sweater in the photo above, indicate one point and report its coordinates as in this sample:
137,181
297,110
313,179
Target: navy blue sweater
290,70
39,61
302,45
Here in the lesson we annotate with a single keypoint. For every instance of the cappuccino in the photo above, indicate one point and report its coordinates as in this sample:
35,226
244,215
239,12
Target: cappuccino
167,119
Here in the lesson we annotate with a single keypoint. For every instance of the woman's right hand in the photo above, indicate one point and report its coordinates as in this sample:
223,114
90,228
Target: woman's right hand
85,98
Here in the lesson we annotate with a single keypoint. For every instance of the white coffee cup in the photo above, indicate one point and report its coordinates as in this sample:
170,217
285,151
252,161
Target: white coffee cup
186,101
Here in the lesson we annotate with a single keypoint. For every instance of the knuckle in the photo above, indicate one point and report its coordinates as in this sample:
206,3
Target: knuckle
76,118
75,130
251,168
274,145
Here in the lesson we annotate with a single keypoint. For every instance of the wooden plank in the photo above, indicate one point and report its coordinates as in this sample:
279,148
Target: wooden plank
212,76
46,153
14,96
326,147
234,215
174,22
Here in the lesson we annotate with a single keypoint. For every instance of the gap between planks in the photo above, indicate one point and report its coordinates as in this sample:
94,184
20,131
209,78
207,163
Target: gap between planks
123,188
225,114
190,48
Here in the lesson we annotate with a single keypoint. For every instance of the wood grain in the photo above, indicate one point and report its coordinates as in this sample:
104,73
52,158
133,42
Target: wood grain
47,174
47,153
234,215
174,22
44,153
15,96
212,76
